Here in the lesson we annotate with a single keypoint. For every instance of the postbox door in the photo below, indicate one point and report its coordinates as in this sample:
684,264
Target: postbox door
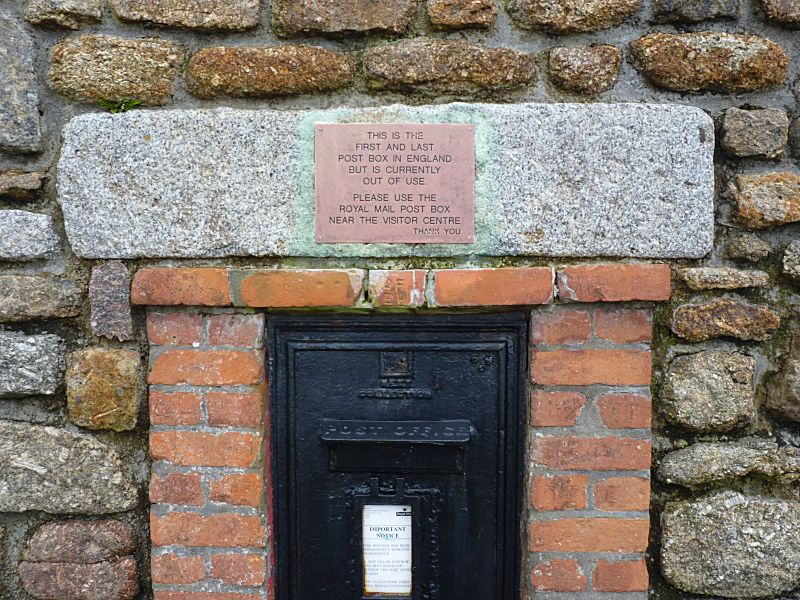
396,445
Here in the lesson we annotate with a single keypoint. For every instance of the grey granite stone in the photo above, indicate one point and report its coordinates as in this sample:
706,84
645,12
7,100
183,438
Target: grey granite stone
791,260
723,278
20,126
761,133
60,472
28,297
26,236
730,545
30,364
552,179
694,11
110,299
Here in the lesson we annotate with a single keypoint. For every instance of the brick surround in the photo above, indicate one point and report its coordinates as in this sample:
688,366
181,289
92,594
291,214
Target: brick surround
589,443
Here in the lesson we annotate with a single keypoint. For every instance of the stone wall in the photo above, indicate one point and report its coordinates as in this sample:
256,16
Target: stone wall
75,413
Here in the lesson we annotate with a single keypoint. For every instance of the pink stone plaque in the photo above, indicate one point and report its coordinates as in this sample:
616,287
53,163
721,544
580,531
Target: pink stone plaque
408,183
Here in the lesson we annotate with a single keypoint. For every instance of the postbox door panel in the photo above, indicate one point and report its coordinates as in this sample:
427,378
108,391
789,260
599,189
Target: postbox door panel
396,444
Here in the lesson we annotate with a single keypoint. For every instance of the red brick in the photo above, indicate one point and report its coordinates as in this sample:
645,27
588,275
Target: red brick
174,329
591,454
493,287
195,530
234,410
184,286
624,326
190,448
243,331
206,367
286,288
622,493
625,411
239,569
176,488
562,326
242,490
616,282
589,535
555,409
567,492
586,367
397,288
175,408
558,575
174,569
620,576
158,595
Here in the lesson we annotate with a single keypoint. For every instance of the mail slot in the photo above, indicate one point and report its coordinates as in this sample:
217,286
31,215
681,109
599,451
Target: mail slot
397,450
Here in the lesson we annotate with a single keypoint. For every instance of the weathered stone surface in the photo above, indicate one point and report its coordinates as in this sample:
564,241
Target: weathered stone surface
755,133
710,61
694,11
20,185
26,236
253,72
571,16
92,67
783,393
766,201
336,17
457,14
446,66
110,300
722,278
103,388
724,318
111,580
27,297
710,391
63,13
227,189
60,472
794,137
30,364
731,545
20,125
704,463
80,541
791,260
230,15
743,245
585,69
783,12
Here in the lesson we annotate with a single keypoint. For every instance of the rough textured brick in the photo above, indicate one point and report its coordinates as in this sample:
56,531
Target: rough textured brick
493,287
397,288
558,575
337,17
159,595
562,326
767,200
174,569
174,329
593,454
458,14
586,70
566,492
244,331
589,535
620,576
176,488
80,541
239,569
284,288
110,300
571,16
113,580
206,367
189,448
175,408
242,489
195,530
234,410
71,14
622,493
624,326
186,286
555,409
625,411
585,367
229,15
615,282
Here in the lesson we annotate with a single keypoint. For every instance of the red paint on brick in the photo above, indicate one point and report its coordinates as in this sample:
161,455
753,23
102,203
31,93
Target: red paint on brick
566,492
182,286
241,489
190,448
174,569
620,576
591,454
196,530
397,288
174,329
625,411
286,288
176,488
206,367
615,282
622,494
175,408
493,287
589,535
159,595
234,410
624,326
558,575
560,327
555,409
243,331
586,367
239,569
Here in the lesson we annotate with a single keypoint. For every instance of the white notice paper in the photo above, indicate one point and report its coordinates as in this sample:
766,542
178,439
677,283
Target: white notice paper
387,549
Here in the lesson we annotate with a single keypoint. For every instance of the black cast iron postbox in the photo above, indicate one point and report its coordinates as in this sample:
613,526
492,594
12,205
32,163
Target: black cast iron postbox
397,455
